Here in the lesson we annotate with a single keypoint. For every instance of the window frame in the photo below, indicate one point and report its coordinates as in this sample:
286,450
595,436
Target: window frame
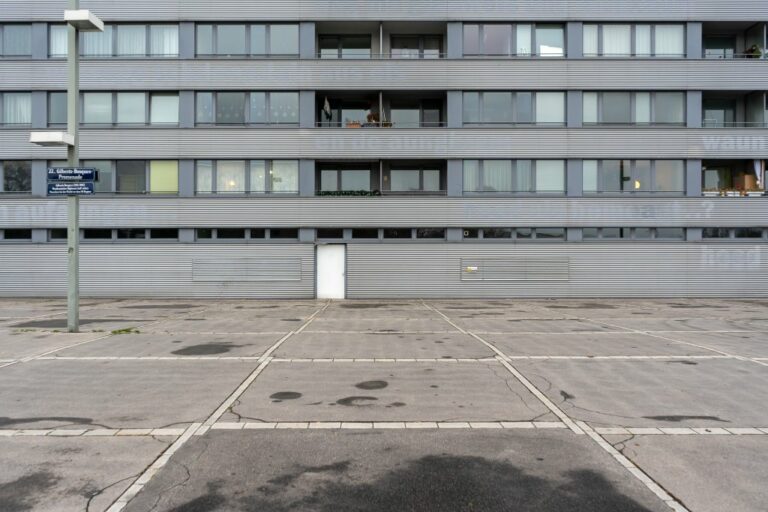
422,38
3,124
248,168
340,46
631,234
115,29
420,168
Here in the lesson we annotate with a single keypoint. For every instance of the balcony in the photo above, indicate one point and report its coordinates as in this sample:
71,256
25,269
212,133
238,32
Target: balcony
733,178
734,40
381,178
395,109
729,109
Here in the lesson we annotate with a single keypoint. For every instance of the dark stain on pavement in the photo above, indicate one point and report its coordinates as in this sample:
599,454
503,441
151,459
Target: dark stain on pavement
445,483
62,322
679,418
587,305
23,493
356,401
396,404
286,395
205,349
160,306
566,395
372,384
205,503
689,363
6,422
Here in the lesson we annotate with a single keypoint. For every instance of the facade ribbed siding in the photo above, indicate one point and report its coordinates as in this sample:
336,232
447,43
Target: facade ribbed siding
176,10
650,235
595,270
389,211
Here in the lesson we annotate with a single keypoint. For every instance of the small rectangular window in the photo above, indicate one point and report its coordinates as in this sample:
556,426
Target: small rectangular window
430,233
496,233
204,234
18,234
131,234
524,233
258,233
230,234
57,108
284,233
550,233
643,233
57,234
330,234
164,234
716,233
589,233
365,233
97,234
471,233
399,233
670,233
749,232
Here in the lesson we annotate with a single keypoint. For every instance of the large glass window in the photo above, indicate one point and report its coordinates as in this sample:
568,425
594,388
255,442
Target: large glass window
252,108
514,108
57,108
240,177
634,108
283,39
230,108
131,108
15,40
16,108
97,108
633,176
522,40
230,40
164,40
164,177
641,40
412,180
259,40
131,40
345,180
345,47
515,176
16,176
416,47
164,108
131,177
57,40
97,44
284,107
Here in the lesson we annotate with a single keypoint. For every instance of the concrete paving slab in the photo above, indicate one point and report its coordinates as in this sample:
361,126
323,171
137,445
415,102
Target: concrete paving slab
176,345
349,311
746,344
387,392
243,322
386,345
17,344
691,324
66,474
589,344
707,473
503,325
381,325
115,394
649,393
385,471
87,323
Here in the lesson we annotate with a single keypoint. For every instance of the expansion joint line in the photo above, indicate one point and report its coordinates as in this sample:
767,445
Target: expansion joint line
202,428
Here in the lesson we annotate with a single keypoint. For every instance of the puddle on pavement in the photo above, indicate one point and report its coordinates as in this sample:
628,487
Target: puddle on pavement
285,395
372,384
356,401
205,349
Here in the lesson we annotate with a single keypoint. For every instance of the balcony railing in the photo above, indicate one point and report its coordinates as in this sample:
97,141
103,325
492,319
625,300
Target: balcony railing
712,123
729,54
381,124
383,56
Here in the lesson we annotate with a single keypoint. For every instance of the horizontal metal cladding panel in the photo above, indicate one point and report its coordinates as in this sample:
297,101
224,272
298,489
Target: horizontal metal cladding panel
142,10
314,212
559,74
595,270
147,271
370,143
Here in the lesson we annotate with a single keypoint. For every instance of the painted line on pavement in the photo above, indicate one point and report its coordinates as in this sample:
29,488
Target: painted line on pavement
388,425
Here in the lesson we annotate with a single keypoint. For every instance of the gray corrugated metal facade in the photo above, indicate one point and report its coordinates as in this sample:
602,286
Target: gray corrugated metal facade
547,148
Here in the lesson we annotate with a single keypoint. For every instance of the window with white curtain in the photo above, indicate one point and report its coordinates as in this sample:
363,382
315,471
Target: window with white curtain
97,44
131,108
131,40
631,108
15,40
164,40
550,108
638,40
514,176
164,108
57,41
16,108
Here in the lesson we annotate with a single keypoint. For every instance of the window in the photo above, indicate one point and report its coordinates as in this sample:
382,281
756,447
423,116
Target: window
97,234
509,234
126,40
748,233
131,108
242,177
517,40
163,41
131,40
284,234
164,109
416,47
368,234
97,108
545,108
642,40
634,176
398,233
248,40
128,108
16,234
634,108
514,176
638,234
238,108
345,180
131,177
413,180
430,233
131,234
15,40
15,108
97,44
105,176
716,233
164,177
57,108
330,234
345,47
16,176
57,41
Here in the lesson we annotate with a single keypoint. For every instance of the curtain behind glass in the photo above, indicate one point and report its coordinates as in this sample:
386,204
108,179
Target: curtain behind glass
164,40
497,176
131,40
97,44
471,175
670,41
285,176
550,176
57,44
204,177
617,40
17,108
230,176
550,107
643,40
590,41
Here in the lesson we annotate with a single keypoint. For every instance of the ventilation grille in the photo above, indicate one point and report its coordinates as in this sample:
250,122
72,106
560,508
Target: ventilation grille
515,269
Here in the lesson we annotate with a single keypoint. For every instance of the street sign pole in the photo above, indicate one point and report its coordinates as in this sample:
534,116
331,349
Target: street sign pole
73,160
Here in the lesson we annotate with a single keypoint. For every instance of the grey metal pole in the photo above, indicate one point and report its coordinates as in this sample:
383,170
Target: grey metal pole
73,160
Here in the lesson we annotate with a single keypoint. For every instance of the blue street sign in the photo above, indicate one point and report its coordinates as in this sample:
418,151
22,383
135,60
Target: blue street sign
71,174
72,188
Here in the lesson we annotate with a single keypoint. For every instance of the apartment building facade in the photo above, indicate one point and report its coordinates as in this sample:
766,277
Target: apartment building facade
361,149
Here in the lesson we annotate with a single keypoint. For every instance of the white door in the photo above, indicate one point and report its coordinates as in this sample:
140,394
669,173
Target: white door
331,271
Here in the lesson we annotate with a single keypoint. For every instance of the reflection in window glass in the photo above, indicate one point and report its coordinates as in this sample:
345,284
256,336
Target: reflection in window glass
670,176
97,107
258,114
670,107
204,107
404,180
497,39
17,176
670,233
329,180
230,176
616,108
230,40
285,176
642,181
284,39
131,40
258,40
550,40
17,41
131,177
523,40
230,108
356,180
165,109
204,177
431,180
131,108
497,107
